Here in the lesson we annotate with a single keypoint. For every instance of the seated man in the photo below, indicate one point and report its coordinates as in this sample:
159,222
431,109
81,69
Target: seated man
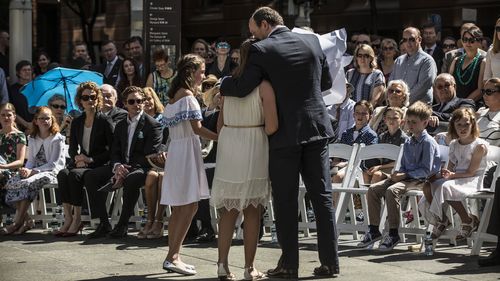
109,108
446,93
134,138
420,161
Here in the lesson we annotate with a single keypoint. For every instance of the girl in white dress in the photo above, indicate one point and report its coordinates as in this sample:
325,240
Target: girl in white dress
241,180
463,176
185,182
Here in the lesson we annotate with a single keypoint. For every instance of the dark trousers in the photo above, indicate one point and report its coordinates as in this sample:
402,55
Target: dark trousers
311,161
98,177
493,226
70,185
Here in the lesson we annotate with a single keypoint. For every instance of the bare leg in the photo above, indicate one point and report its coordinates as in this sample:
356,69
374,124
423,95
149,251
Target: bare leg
177,229
226,230
151,198
338,178
462,212
68,218
77,219
251,233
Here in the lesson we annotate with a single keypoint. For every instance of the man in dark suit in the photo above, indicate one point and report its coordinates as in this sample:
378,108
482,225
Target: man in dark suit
430,44
134,138
446,93
297,69
109,108
112,63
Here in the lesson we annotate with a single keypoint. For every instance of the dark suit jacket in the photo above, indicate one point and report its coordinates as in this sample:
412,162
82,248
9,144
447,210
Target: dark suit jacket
438,56
296,67
146,141
117,114
101,138
444,113
113,74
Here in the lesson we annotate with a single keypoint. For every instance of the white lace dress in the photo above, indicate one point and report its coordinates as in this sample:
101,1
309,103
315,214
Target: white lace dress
456,189
241,173
185,180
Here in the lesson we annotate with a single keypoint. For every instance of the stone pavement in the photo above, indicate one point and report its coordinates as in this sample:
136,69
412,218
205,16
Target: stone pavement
40,256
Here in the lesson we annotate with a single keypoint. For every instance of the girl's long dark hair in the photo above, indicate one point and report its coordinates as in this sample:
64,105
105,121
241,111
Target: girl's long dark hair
186,67
244,52
136,81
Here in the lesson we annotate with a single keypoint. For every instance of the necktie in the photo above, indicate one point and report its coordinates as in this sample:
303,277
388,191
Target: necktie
109,66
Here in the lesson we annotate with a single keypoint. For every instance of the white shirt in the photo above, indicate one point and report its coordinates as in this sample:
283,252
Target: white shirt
86,138
132,124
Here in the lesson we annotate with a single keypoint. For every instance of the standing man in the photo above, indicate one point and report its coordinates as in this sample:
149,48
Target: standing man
416,67
136,51
430,45
4,55
24,73
297,69
111,65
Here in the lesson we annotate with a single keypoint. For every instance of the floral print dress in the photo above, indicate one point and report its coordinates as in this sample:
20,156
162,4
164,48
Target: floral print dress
8,151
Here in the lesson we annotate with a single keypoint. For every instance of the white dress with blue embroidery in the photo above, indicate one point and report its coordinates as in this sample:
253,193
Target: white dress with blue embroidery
185,180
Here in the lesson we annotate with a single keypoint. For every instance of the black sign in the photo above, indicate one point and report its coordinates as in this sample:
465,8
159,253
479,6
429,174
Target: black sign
162,28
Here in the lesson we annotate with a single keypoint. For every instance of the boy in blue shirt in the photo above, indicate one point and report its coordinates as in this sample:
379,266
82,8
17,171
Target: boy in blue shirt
420,161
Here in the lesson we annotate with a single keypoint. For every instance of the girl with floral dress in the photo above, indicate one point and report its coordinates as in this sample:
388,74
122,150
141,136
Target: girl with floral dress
12,149
45,159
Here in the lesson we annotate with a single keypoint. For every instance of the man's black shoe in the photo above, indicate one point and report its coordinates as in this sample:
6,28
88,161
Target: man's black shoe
101,231
206,236
325,271
120,231
491,260
280,272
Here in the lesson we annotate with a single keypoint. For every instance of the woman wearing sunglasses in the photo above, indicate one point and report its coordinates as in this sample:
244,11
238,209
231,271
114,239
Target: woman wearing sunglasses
91,136
493,56
368,81
222,65
57,103
387,55
45,160
468,69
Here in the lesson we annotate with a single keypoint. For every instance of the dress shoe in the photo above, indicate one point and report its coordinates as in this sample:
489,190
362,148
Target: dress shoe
120,231
280,272
71,234
491,260
101,231
325,271
206,236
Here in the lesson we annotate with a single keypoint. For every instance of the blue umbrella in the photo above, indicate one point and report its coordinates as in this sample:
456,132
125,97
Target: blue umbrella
59,80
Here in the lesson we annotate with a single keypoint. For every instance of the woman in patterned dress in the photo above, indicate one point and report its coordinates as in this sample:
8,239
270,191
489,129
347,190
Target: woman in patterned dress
12,147
45,159
161,79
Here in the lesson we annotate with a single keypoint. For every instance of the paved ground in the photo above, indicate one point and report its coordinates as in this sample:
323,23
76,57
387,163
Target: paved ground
40,256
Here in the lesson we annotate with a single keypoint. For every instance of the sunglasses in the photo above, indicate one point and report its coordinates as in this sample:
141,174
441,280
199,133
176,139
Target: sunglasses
394,91
471,39
57,106
222,45
449,46
387,48
410,39
489,92
497,28
366,56
134,101
88,97
445,86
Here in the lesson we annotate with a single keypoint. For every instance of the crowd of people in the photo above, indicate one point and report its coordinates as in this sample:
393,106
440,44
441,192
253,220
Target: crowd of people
242,124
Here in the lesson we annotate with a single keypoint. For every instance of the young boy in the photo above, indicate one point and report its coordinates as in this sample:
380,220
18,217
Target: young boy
419,162
393,118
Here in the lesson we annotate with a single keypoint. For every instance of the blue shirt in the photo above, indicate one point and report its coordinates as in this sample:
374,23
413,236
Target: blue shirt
366,135
420,157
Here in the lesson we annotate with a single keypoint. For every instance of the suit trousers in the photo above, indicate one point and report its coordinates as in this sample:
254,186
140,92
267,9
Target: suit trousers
131,187
311,161
392,191
493,226
70,185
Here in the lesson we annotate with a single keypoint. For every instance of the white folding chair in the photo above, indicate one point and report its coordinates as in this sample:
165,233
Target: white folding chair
355,185
481,235
336,150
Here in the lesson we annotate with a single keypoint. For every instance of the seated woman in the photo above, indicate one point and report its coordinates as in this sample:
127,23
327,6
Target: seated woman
57,104
462,176
397,95
12,148
91,137
154,225
45,160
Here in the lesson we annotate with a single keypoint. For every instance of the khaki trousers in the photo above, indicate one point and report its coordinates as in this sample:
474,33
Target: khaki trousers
392,191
